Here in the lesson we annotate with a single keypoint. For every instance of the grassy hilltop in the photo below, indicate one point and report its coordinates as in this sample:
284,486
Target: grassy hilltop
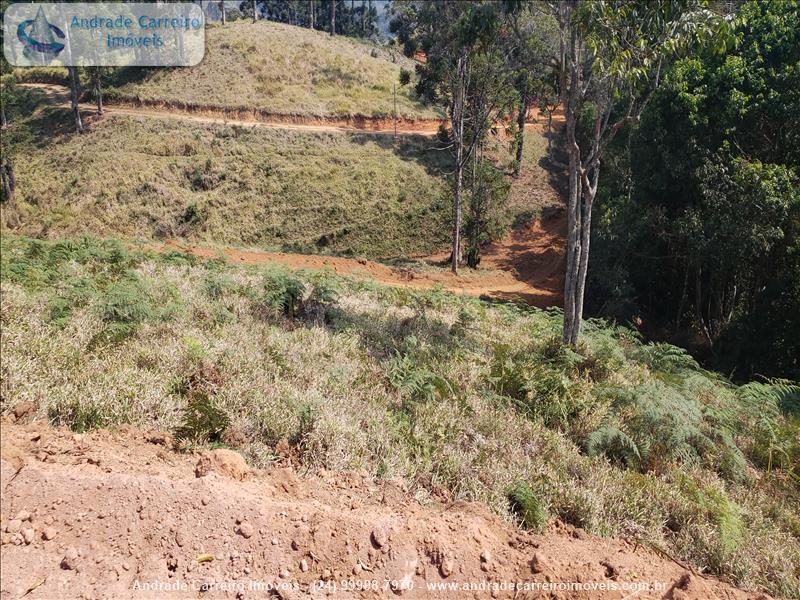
287,70
465,399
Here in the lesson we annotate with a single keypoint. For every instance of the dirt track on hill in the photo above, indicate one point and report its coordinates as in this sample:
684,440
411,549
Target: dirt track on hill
526,265
121,515
59,96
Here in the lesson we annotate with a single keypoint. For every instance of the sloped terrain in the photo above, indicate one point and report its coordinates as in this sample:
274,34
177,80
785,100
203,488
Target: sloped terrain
283,69
307,191
465,400
119,514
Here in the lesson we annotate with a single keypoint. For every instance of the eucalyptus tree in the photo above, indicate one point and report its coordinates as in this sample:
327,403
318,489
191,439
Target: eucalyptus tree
465,70
74,95
96,77
534,42
610,59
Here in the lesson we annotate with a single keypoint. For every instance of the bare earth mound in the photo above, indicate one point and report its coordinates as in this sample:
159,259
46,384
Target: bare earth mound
121,515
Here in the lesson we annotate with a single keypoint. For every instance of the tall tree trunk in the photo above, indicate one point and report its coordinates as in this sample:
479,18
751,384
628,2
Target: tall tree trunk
333,17
3,119
588,195
363,18
571,315
255,12
311,11
73,94
458,139
523,113
222,10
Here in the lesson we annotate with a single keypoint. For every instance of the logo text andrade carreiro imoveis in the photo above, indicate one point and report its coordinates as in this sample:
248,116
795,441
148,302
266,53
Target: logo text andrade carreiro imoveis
118,30
115,34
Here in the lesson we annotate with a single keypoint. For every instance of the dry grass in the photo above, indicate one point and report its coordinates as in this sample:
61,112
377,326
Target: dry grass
275,189
287,70
398,382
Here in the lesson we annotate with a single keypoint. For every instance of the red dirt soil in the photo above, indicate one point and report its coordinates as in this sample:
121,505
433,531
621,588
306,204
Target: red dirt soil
59,95
526,265
121,515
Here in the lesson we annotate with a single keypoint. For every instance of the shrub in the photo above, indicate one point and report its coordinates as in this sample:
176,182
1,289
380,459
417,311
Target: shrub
203,420
78,416
615,444
527,506
125,302
286,294
665,358
543,382
415,380
283,292
725,513
773,423
653,426
215,285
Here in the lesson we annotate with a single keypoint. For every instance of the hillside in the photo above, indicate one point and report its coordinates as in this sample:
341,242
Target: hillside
295,190
463,399
284,69
155,174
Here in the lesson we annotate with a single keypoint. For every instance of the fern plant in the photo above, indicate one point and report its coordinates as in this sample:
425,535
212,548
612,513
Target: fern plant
410,375
665,358
616,445
773,411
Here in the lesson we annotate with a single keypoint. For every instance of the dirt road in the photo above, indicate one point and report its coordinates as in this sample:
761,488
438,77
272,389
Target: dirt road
121,515
526,265
59,96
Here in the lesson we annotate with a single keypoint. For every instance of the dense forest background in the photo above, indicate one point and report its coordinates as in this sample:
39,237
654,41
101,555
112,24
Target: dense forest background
698,213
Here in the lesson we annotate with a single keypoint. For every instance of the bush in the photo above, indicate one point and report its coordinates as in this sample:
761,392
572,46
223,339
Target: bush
286,294
125,302
203,419
525,504
56,75
283,292
415,381
543,382
77,415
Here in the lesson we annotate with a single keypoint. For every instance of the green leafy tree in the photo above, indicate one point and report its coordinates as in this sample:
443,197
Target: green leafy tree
699,208
465,70
611,58
533,42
